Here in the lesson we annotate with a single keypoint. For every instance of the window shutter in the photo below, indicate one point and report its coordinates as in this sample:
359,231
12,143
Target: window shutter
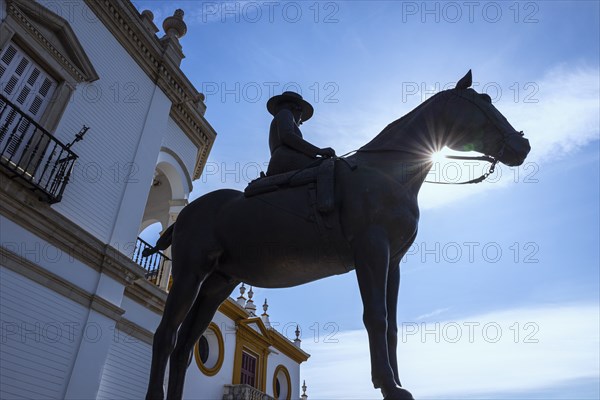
24,82
248,369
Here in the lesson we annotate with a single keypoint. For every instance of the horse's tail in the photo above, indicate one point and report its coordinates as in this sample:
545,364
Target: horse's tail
162,243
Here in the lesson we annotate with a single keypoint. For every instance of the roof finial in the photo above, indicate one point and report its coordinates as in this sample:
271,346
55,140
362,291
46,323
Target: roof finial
297,341
265,316
250,307
304,396
242,300
174,26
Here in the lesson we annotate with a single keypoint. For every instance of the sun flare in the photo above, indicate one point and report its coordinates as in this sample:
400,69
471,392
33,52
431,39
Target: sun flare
440,155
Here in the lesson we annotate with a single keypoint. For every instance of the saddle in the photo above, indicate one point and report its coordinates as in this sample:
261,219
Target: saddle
320,175
319,180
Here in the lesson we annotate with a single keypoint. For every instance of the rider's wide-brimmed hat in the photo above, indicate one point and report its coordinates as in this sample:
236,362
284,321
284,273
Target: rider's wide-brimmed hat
307,108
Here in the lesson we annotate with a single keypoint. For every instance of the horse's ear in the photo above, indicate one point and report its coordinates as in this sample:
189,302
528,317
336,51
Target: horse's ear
465,82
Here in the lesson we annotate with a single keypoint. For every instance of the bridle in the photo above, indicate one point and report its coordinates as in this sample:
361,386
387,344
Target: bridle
493,160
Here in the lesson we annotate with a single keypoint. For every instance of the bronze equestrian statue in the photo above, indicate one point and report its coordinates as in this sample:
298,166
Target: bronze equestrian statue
298,234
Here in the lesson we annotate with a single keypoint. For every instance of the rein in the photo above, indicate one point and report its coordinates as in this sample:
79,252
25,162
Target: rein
492,160
482,178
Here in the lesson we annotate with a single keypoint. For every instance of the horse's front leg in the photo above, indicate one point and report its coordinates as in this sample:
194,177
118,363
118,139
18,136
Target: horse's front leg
372,258
393,286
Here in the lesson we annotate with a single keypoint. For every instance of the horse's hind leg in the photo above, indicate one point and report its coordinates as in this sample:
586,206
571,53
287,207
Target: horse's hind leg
189,272
215,289
178,303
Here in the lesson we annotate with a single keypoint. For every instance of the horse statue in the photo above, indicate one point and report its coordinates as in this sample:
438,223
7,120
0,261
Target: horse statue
288,237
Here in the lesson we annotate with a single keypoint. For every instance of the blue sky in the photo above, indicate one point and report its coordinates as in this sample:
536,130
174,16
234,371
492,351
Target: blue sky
517,255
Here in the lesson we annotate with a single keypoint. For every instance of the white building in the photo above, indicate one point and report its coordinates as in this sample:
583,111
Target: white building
101,135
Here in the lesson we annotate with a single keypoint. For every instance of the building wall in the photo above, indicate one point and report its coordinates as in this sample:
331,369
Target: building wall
277,358
116,107
61,262
59,344
41,333
126,370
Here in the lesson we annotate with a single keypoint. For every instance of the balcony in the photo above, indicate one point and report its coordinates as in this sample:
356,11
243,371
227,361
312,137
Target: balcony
28,152
153,264
244,392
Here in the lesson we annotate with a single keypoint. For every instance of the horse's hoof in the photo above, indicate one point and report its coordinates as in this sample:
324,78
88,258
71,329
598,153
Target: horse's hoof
397,393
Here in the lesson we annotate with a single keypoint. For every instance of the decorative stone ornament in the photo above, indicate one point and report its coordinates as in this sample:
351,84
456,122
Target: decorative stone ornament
250,306
241,300
297,341
304,395
174,26
265,316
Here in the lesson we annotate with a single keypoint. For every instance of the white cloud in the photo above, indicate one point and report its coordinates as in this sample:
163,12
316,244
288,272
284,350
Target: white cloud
567,115
519,349
433,313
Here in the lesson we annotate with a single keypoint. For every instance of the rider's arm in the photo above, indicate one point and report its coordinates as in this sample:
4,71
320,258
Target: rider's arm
289,135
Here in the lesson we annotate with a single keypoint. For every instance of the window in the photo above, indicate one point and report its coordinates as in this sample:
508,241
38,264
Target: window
41,61
209,350
24,83
252,349
282,384
203,349
248,374
41,64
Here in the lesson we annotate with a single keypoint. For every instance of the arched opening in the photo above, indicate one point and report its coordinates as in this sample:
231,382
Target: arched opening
151,232
158,203
157,264
168,194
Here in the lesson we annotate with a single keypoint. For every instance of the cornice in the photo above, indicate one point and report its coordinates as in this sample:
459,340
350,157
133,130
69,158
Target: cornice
23,207
134,331
232,310
148,295
34,272
284,345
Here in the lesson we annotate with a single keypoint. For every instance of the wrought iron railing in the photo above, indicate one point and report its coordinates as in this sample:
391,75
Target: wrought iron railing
153,264
29,152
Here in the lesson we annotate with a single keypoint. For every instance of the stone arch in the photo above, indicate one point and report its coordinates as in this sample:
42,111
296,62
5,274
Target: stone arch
170,189
177,174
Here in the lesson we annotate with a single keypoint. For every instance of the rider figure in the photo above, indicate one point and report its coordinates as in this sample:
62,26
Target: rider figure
289,151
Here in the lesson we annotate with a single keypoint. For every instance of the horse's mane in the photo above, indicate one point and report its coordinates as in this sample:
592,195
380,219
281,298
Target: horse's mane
387,139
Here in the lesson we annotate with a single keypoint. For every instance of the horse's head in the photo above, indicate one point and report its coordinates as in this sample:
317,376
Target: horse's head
474,124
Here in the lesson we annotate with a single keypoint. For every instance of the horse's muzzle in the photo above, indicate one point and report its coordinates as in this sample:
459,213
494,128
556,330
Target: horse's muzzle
515,151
